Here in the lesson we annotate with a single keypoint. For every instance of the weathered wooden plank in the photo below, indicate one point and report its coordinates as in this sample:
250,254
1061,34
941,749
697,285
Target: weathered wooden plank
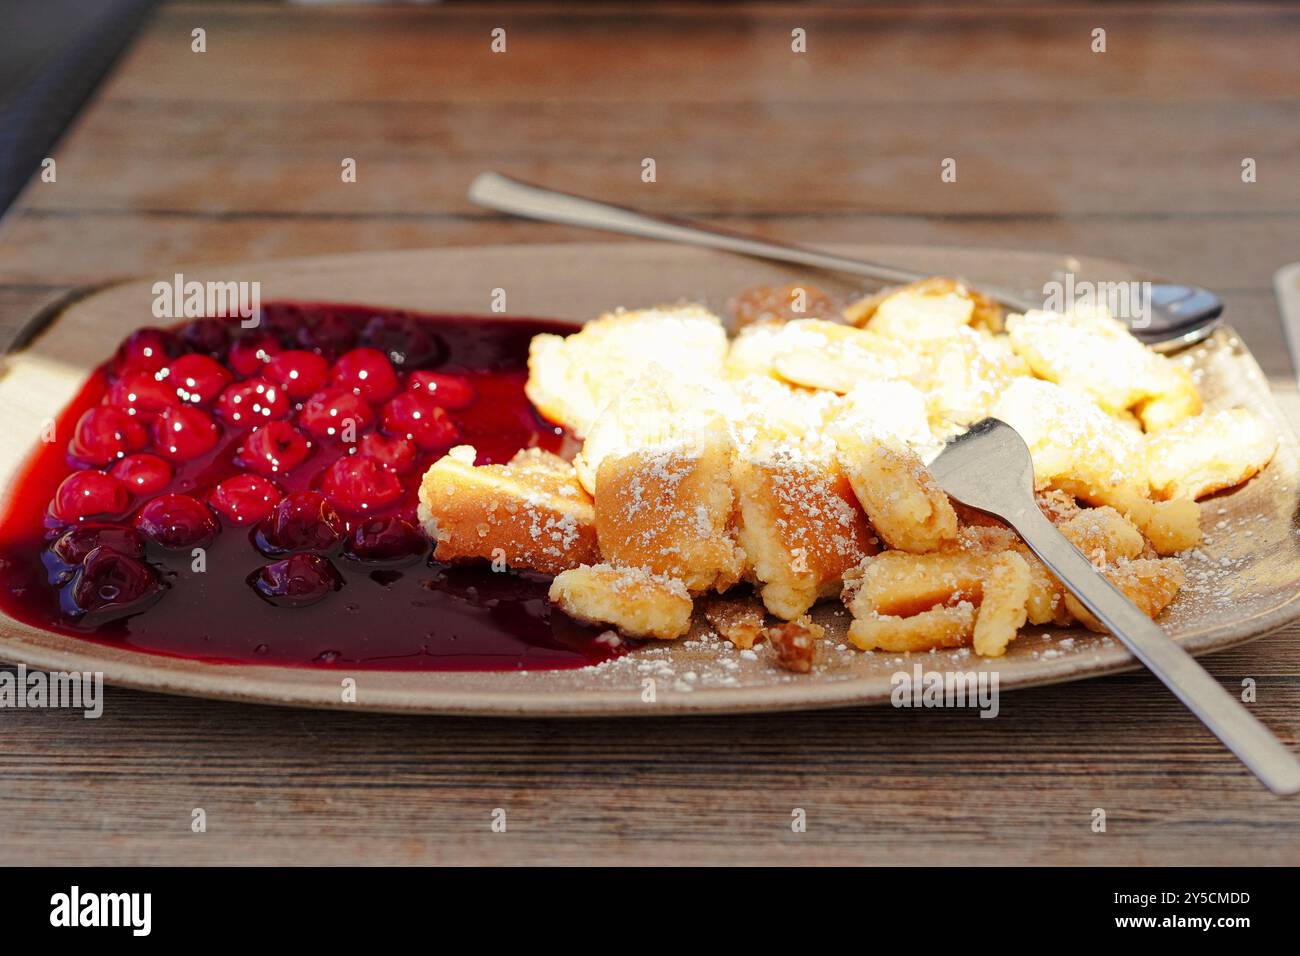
879,785
1082,160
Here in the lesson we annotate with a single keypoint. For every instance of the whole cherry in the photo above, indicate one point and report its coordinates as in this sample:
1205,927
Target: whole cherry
449,391
273,449
403,341
388,539
208,336
360,485
416,416
254,401
251,351
367,372
105,434
86,494
73,545
143,475
177,522
335,413
394,453
145,350
329,334
183,432
108,586
142,396
283,320
245,499
297,581
197,379
302,521
298,372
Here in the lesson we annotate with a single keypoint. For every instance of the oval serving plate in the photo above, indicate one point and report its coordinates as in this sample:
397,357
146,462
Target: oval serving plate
1242,586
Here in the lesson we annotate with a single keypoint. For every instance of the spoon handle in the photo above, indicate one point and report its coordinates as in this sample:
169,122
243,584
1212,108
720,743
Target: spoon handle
1230,721
535,202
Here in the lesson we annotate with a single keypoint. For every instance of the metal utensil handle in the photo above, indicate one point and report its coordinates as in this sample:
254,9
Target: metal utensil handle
1230,721
534,202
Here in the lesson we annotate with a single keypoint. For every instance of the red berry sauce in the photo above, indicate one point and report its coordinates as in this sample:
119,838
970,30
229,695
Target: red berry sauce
249,496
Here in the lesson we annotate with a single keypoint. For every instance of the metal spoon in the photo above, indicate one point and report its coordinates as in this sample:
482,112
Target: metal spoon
1179,314
989,468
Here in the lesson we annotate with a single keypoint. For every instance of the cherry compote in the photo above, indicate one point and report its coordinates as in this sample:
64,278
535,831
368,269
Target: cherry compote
249,495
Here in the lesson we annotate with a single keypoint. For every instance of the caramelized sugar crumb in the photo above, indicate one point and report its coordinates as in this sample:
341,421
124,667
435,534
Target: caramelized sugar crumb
738,619
794,644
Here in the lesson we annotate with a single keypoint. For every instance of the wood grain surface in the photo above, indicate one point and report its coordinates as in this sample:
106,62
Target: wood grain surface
235,154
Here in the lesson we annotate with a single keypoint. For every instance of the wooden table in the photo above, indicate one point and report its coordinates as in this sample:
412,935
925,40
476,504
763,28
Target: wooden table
235,154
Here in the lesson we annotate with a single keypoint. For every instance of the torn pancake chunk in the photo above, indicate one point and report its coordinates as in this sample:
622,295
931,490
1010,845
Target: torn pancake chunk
1103,535
886,410
935,629
943,595
767,417
1150,583
654,412
634,600
1075,446
1088,352
1171,526
670,509
905,504
801,528
530,513
1046,601
571,378
962,376
1003,604
1208,453
928,308
813,353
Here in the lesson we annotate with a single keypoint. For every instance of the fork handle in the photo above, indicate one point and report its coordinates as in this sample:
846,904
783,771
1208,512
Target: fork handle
1227,717
549,205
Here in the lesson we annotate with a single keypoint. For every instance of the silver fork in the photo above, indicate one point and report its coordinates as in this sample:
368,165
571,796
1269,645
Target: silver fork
989,468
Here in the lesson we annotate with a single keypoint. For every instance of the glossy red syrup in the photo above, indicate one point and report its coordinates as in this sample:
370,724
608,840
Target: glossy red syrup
384,613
